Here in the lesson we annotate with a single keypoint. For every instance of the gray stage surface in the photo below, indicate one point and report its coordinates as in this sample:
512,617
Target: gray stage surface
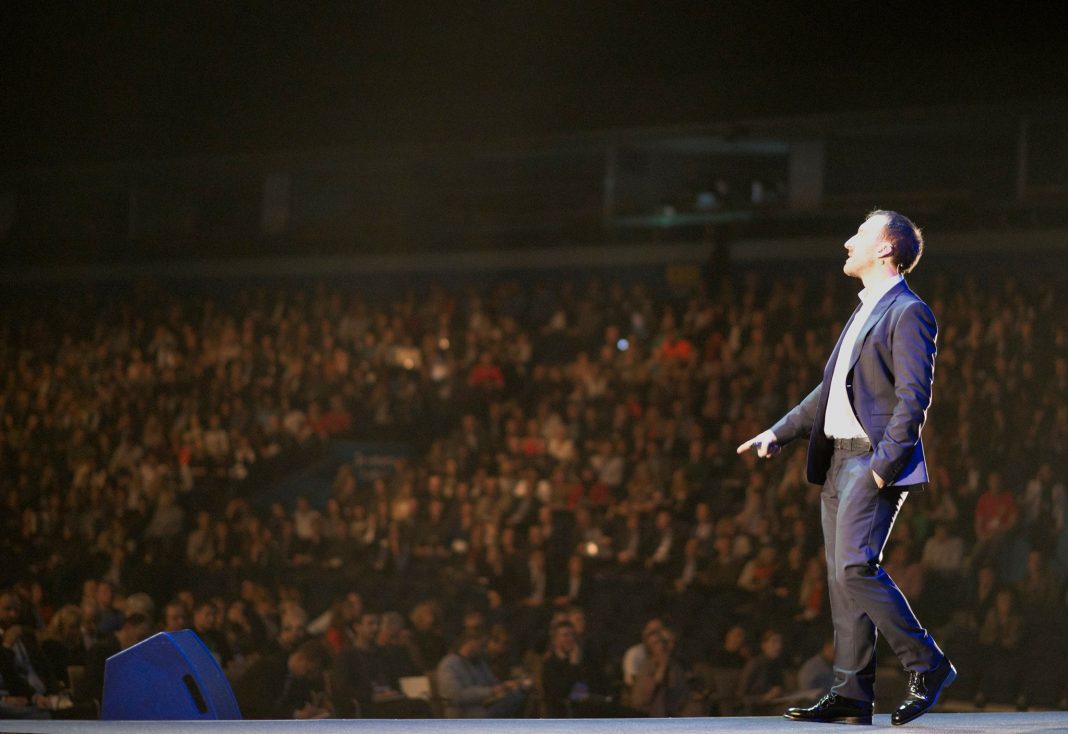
1007,723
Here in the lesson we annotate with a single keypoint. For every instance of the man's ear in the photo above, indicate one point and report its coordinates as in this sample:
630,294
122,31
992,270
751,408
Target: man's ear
885,250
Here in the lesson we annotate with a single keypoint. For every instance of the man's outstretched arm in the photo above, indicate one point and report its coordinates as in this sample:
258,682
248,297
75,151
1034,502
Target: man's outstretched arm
795,424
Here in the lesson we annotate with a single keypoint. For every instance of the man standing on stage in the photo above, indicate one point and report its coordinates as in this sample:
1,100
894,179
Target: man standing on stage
863,424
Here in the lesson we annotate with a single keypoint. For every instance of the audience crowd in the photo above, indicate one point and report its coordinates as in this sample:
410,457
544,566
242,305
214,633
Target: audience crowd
575,535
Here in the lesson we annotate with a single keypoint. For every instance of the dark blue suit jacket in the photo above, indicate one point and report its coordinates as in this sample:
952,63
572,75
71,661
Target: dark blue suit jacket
889,383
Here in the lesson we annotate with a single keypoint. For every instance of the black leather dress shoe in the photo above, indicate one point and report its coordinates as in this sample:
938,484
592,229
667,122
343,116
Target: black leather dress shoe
923,691
833,708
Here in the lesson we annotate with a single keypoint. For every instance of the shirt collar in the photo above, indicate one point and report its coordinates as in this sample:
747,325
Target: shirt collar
872,294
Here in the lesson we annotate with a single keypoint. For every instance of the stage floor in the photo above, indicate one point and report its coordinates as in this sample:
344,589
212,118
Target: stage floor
1002,723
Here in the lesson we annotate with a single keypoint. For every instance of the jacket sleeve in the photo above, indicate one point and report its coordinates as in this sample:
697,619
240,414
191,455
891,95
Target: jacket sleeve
798,422
913,349
455,689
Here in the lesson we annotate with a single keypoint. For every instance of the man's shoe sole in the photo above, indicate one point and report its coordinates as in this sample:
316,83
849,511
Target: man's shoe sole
950,677
835,720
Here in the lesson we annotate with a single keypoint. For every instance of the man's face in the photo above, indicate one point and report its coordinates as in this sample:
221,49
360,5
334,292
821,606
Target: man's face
564,640
9,610
104,595
301,666
368,626
735,638
175,618
140,632
474,648
772,647
204,617
867,247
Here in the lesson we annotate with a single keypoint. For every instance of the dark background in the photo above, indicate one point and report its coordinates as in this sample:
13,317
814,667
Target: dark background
122,81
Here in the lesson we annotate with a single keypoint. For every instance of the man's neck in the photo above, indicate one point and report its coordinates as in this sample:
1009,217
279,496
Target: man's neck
877,277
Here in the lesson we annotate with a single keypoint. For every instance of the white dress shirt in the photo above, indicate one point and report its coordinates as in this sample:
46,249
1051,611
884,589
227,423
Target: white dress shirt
841,421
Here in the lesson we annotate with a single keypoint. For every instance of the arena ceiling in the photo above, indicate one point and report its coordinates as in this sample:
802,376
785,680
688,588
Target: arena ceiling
111,81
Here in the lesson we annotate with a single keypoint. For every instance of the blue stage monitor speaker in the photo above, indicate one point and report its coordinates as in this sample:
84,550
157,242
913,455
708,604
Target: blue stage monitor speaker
171,676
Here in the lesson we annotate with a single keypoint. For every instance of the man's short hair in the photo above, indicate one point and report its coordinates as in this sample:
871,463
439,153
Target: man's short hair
768,634
315,652
904,237
136,620
476,634
561,624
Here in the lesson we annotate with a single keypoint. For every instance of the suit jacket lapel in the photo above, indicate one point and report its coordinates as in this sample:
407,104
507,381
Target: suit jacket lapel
876,314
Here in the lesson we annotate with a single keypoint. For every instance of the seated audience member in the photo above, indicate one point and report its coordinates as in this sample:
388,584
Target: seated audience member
133,629
470,689
62,642
661,688
395,644
108,618
18,699
635,656
1000,642
592,648
244,636
292,630
943,553
500,655
365,685
175,617
996,514
426,634
566,680
763,678
337,632
205,624
19,637
574,586
724,567
285,685
816,675
734,652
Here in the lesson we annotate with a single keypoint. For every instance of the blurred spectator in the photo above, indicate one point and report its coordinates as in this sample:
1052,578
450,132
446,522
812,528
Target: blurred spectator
365,683
635,656
1000,639
20,639
763,679
286,685
206,625
426,634
995,517
661,687
175,617
816,675
943,554
62,642
469,686
134,628
567,681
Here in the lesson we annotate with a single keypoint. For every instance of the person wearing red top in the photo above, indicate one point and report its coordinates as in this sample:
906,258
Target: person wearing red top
996,512
995,516
485,374
336,420
676,348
